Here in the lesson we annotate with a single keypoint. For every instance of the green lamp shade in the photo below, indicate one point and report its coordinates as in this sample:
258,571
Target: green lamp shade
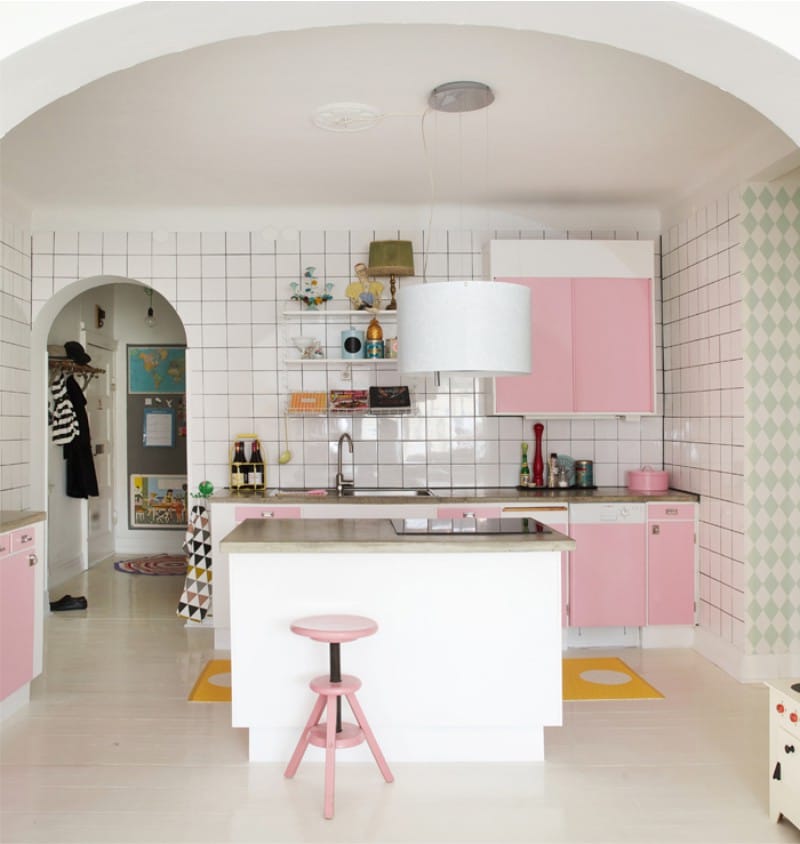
391,257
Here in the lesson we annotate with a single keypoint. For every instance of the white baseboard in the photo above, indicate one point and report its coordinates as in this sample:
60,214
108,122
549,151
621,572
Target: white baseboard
158,542
746,668
60,573
15,701
668,636
601,637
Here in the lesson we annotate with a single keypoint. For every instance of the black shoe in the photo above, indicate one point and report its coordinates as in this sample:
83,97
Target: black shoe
68,603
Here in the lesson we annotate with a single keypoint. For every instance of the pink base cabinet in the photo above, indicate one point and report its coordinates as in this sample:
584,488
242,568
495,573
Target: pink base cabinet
670,563
21,601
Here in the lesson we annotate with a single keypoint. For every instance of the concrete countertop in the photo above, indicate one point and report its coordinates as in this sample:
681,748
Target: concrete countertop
256,536
14,519
600,495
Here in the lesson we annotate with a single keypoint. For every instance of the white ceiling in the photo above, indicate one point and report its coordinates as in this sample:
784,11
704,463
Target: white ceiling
229,124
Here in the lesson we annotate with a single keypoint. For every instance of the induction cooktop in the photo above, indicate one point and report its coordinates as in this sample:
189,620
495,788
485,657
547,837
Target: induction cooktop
459,526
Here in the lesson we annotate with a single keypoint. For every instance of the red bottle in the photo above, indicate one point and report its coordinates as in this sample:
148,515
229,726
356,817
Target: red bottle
538,460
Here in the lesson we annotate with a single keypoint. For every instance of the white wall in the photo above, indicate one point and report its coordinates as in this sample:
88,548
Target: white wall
230,290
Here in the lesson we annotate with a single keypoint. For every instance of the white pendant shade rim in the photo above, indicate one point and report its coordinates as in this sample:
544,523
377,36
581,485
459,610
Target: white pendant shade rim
469,328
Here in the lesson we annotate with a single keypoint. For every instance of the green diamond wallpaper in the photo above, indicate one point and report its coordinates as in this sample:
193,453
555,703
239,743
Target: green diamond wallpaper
771,311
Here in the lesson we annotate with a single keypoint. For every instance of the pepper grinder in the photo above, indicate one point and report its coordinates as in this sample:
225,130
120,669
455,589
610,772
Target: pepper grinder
538,460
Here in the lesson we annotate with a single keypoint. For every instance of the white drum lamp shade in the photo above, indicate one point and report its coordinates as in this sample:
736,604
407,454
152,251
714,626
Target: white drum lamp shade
467,328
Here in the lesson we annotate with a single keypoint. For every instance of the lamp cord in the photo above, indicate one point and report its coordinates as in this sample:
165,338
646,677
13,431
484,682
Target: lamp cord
432,184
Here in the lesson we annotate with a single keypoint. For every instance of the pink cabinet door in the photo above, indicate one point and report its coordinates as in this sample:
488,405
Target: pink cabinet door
17,607
612,325
607,575
670,572
266,512
548,388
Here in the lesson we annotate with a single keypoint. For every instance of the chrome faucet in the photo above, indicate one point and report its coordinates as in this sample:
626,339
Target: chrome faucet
341,483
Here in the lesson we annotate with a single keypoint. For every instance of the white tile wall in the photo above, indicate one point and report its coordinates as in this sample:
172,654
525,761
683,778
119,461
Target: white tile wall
230,289
704,399
15,322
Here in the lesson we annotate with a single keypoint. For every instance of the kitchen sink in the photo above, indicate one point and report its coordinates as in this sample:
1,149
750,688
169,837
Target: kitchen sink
359,492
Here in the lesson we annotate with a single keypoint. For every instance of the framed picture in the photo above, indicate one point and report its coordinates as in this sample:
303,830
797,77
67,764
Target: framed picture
158,501
156,370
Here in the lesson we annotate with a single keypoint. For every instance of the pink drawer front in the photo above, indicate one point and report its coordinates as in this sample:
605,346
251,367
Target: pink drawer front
466,512
665,512
266,512
23,539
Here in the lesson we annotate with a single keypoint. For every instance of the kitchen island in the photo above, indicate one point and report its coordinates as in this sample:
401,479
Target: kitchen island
466,664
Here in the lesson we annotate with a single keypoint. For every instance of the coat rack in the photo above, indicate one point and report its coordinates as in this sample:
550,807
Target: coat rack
84,370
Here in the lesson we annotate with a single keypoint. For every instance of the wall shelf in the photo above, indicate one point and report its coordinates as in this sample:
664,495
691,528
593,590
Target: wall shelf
295,314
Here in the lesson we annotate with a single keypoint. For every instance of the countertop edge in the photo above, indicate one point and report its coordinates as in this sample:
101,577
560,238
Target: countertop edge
15,519
502,495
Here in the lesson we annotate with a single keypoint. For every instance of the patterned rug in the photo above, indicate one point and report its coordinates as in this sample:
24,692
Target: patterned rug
155,564
214,683
603,678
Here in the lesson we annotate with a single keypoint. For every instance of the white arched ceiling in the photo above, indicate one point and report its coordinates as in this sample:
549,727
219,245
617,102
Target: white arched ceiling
754,70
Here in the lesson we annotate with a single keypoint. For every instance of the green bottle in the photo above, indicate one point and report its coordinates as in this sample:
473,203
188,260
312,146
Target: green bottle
524,471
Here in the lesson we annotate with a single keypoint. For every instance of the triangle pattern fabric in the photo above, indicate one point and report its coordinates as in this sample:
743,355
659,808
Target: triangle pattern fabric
196,598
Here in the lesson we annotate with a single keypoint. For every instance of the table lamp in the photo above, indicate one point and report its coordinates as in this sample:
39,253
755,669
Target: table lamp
392,258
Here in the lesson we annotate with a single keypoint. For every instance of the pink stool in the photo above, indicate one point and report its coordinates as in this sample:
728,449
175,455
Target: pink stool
335,629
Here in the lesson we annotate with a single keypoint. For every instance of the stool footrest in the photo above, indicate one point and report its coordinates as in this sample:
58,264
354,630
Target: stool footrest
350,736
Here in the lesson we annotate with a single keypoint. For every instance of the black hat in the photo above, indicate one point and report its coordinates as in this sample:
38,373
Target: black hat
76,352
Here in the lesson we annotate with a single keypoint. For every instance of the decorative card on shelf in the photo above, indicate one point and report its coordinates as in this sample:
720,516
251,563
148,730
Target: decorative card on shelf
300,403
389,400
349,401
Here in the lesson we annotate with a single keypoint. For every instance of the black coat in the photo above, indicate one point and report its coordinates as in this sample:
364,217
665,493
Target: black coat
81,477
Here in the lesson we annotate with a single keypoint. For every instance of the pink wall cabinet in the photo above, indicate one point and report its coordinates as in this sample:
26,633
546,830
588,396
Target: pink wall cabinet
670,564
21,600
592,349
607,568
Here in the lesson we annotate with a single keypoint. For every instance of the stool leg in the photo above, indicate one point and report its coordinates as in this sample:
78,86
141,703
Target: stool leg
370,737
299,751
330,758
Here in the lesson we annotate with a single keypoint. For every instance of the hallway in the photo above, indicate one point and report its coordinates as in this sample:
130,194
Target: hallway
110,750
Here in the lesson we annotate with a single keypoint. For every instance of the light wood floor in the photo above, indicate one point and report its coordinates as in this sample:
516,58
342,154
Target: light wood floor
110,750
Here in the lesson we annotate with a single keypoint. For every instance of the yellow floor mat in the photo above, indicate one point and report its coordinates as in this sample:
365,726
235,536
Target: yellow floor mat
603,678
214,682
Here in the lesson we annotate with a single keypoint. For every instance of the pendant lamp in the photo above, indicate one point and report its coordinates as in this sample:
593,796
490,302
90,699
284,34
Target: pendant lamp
467,328
471,328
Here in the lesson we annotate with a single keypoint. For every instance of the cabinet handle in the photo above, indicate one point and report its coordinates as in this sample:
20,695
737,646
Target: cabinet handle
467,515
672,511
267,514
32,559
656,529
25,539
789,748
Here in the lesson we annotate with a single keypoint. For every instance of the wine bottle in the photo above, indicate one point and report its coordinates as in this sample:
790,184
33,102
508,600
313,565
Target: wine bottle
237,464
257,464
524,469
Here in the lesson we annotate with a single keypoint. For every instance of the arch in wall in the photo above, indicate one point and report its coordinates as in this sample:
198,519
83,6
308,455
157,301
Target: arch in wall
756,71
40,330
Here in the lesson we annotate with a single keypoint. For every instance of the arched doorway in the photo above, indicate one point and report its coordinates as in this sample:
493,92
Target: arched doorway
108,316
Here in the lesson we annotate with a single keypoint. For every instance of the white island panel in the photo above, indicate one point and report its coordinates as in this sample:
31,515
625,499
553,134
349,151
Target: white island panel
466,664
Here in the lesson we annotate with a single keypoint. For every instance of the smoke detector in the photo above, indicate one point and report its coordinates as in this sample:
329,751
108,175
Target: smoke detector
346,117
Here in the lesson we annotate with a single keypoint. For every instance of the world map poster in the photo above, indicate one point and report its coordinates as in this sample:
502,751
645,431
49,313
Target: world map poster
154,370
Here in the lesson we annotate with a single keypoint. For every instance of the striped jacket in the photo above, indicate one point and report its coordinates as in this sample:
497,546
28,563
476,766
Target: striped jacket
63,420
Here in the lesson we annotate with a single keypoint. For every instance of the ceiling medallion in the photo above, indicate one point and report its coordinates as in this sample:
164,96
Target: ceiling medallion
346,117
